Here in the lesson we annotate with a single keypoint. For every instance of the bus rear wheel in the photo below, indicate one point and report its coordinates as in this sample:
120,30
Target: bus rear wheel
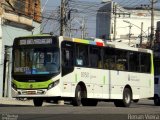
78,96
38,102
126,101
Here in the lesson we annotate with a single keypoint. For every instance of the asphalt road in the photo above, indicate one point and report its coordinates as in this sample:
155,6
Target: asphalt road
143,110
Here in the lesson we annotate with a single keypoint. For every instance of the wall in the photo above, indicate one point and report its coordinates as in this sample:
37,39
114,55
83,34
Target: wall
9,33
105,23
122,30
17,18
1,61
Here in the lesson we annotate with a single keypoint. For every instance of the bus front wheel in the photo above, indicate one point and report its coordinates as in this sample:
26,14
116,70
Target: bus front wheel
126,101
78,96
38,102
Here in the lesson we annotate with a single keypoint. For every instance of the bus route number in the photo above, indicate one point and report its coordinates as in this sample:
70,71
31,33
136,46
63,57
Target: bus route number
85,74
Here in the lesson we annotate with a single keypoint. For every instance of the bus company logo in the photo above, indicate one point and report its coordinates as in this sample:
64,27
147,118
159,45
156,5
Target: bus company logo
31,86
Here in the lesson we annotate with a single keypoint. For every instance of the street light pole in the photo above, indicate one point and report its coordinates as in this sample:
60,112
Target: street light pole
130,26
152,24
141,39
142,32
115,20
62,18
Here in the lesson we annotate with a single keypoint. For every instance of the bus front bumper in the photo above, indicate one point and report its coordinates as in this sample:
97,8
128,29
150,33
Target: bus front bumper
54,92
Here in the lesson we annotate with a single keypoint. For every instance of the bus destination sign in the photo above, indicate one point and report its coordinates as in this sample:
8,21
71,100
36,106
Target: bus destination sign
35,41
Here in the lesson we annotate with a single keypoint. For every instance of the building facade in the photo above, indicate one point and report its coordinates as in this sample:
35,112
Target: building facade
17,18
124,24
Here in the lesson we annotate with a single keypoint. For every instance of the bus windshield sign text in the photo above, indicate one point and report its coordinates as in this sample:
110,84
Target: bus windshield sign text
35,41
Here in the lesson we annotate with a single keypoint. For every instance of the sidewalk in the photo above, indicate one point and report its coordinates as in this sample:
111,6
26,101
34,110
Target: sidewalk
13,101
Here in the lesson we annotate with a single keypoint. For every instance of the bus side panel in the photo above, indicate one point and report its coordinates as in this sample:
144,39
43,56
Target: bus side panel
117,80
120,79
146,85
70,81
67,82
100,80
141,84
83,75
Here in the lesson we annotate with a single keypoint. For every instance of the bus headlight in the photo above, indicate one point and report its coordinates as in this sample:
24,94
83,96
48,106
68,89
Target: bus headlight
14,86
53,84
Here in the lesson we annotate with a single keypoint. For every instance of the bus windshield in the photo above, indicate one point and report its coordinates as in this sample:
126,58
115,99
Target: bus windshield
39,60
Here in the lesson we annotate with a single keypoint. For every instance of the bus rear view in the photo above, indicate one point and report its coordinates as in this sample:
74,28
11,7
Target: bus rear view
36,65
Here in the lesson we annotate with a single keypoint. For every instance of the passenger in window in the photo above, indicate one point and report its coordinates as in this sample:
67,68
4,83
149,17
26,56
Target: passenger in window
94,60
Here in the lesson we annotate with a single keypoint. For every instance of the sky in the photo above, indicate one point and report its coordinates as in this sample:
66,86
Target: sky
88,12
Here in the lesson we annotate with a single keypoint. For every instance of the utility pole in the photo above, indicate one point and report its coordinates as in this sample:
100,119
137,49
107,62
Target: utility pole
130,26
141,38
62,22
152,23
115,21
83,28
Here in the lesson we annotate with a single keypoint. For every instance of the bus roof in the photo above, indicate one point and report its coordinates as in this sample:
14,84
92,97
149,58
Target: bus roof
95,41
112,44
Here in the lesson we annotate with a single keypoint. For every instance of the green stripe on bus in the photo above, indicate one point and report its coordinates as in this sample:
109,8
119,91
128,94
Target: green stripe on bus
32,85
104,79
152,65
75,77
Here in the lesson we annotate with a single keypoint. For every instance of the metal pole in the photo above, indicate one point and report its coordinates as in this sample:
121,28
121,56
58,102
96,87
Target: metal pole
115,20
152,24
130,26
141,39
62,18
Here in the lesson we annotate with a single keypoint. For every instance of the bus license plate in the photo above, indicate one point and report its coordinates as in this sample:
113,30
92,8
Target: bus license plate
31,92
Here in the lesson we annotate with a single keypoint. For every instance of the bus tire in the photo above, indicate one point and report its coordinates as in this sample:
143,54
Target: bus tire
78,96
89,102
126,101
156,100
38,102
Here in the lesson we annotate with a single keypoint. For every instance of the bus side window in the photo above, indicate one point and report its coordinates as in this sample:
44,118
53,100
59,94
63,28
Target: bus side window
67,57
81,55
145,62
121,60
95,57
109,58
134,62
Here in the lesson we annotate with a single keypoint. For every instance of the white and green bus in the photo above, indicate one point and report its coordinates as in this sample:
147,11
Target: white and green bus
79,70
